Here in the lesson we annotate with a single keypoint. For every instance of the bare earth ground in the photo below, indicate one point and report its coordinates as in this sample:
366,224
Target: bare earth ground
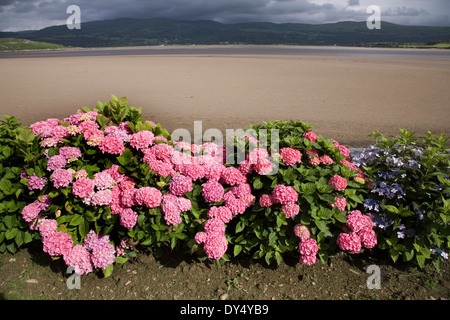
345,97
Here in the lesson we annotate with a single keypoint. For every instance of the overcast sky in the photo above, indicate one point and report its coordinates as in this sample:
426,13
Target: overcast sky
16,15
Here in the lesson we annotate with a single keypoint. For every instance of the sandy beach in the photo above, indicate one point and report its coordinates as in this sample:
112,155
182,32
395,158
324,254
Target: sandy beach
345,97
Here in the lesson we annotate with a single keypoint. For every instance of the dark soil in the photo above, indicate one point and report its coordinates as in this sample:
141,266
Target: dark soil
32,274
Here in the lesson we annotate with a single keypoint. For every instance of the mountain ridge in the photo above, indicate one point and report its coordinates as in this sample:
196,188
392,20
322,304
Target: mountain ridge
159,31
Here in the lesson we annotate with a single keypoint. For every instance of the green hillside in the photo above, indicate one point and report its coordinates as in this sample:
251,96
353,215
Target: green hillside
141,32
12,44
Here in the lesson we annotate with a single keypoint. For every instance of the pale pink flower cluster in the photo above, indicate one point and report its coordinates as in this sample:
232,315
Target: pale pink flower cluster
148,196
213,191
61,178
32,210
172,206
213,238
112,145
301,231
258,161
83,187
128,218
180,184
70,153
57,243
339,183
360,233
220,212
34,182
102,253
142,139
290,156
56,162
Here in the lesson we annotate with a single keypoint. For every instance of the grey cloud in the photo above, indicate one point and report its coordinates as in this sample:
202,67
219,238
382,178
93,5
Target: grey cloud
353,3
26,14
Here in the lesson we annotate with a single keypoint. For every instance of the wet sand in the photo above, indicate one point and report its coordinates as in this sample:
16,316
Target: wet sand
345,97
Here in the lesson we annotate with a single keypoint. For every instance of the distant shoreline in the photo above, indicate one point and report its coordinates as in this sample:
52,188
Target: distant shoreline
361,51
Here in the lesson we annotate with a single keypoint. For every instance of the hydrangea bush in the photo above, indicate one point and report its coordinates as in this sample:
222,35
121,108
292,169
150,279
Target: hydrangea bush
102,185
307,184
409,195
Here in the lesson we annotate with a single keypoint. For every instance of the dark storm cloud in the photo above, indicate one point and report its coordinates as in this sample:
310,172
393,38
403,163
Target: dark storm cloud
35,14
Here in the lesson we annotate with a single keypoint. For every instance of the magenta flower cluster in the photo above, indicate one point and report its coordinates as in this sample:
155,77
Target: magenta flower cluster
359,233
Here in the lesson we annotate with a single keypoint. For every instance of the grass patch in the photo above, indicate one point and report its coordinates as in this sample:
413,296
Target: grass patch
12,44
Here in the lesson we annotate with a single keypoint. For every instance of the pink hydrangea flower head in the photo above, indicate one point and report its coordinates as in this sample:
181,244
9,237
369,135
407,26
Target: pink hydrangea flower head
101,198
349,242
93,240
257,155
57,243
223,213
184,204
325,159
80,259
212,191
311,136
213,171
180,184
339,183
56,162
162,151
171,211
232,176
290,209
83,187
61,178
308,259
265,200
341,203
103,180
70,153
214,225
356,221
142,139
263,167
245,167
148,196
344,151
368,238
308,247
47,227
128,218
193,171
301,231
200,237
284,194
31,211
236,206
34,182
127,197
215,246
290,156
111,145
103,255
